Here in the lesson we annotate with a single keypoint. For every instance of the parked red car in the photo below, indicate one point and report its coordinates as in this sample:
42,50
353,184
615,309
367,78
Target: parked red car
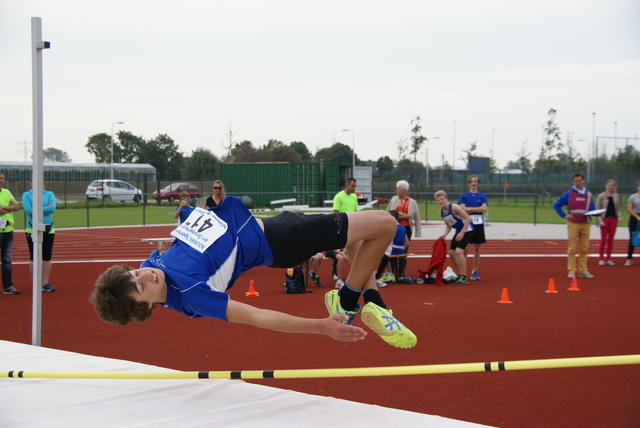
173,190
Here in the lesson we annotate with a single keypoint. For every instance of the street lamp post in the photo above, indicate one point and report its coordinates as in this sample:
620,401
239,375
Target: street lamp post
353,137
493,137
114,123
453,161
593,142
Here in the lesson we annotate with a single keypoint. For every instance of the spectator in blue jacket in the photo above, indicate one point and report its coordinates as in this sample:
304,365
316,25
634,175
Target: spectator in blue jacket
48,208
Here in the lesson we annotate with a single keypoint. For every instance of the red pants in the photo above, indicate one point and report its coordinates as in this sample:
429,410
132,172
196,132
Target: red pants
607,232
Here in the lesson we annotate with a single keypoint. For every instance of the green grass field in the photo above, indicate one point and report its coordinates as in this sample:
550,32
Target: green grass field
121,214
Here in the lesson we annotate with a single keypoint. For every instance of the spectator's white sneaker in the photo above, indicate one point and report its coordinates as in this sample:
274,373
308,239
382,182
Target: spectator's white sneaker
380,284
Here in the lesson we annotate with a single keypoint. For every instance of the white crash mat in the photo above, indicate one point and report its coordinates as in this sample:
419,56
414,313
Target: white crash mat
172,403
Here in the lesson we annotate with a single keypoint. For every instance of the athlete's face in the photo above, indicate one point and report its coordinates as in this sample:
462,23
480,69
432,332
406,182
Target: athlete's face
473,184
442,201
149,285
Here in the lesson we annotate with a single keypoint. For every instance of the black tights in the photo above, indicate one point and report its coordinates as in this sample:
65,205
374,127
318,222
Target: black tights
633,223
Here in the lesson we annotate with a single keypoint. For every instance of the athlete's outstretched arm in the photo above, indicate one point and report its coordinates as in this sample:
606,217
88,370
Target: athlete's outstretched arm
279,321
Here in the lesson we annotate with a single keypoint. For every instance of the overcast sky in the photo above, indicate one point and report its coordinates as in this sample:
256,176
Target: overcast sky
483,71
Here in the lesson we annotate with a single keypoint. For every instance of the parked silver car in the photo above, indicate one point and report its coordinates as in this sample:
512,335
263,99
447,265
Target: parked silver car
114,190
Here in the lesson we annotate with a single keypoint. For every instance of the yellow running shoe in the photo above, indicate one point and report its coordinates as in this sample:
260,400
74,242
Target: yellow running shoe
382,322
332,300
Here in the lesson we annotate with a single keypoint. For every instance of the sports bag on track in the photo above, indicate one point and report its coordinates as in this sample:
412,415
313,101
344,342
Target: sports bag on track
294,281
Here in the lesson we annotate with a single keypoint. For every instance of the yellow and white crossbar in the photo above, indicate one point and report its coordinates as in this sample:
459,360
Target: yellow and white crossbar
555,363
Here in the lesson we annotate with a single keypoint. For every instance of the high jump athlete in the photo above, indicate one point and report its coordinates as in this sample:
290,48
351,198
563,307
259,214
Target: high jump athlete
213,247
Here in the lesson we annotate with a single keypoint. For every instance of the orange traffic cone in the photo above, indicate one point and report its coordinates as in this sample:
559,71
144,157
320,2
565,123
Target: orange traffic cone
505,296
252,291
574,284
551,288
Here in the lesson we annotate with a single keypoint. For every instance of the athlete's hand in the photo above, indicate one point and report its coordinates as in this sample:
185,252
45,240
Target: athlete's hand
343,332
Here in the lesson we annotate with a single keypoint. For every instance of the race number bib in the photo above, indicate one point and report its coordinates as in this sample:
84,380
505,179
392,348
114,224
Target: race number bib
477,219
201,229
3,223
450,220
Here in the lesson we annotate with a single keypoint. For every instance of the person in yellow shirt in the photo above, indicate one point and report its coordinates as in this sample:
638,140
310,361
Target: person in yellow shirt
346,201
8,205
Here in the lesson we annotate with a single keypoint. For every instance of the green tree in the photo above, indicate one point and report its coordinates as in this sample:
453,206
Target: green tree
285,154
569,160
273,144
401,146
244,152
627,160
552,141
281,153
470,153
406,170
164,155
127,148
202,165
302,149
55,155
522,162
230,141
99,145
337,153
417,139
384,164
551,145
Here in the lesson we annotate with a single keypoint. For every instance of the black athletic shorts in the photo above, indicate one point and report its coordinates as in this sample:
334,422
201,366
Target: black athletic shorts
294,238
478,234
463,243
47,246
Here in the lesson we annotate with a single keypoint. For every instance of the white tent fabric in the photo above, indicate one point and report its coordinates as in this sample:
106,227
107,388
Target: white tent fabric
169,403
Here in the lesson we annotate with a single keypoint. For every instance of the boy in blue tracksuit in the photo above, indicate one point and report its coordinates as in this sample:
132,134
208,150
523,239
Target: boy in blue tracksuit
214,247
